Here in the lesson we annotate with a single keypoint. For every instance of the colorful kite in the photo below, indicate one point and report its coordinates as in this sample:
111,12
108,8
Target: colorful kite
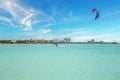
96,13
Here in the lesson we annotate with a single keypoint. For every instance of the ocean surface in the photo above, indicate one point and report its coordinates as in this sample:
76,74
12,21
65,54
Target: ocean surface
65,62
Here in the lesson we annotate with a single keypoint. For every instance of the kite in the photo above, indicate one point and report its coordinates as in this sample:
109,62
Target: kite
96,13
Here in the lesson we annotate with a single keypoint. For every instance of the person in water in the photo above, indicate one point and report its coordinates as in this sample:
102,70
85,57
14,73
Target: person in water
56,44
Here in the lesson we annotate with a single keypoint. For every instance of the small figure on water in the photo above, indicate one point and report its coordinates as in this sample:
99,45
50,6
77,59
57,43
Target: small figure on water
56,44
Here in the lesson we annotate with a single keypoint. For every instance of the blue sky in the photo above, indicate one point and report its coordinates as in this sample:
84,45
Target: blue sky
49,19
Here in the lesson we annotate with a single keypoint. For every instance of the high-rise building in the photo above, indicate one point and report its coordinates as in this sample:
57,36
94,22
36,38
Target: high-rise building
67,40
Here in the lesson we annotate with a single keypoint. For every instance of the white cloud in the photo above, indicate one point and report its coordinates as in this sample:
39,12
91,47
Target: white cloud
6,20
96,37
45,31
20,14
71,17
113,13
74,32
83,34
27,21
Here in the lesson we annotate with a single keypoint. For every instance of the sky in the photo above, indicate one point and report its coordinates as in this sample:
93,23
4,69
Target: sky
51,19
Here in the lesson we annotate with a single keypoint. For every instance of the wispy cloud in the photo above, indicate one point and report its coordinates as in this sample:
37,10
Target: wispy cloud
71,17
45,31
84,34
20,14
113,13
73,30
96,37
6,20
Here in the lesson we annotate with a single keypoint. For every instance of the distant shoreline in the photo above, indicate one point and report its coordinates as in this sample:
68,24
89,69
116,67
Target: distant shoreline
52,42
61,43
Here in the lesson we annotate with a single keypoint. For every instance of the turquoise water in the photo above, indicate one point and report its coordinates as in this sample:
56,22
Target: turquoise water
66,62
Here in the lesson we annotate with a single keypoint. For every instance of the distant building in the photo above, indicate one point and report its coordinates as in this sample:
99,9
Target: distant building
55,40
92,41
13,41
67,40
